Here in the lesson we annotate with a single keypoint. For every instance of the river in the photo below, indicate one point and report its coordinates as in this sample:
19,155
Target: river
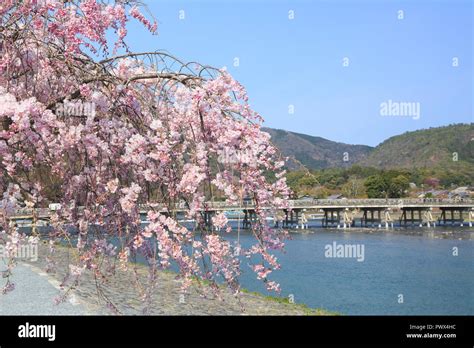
403,271
417,271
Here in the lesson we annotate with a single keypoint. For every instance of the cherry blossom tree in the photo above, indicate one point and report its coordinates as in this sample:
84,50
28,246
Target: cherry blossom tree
107,132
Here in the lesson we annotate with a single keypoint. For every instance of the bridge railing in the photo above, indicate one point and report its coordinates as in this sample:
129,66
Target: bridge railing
335,202
308,203
380,202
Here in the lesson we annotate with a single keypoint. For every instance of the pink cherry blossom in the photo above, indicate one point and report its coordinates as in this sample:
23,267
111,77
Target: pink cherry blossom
156,139
112,185
130,197
219,221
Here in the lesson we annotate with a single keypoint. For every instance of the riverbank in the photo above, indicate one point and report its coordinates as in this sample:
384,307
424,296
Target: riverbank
459,233
167,298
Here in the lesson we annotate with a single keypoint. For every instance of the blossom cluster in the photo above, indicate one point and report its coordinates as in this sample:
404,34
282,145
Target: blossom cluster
152,138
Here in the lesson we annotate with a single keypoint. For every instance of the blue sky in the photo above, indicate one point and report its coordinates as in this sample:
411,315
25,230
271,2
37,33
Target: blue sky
299,61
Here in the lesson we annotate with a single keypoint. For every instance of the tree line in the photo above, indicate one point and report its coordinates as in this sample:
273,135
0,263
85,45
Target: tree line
358,181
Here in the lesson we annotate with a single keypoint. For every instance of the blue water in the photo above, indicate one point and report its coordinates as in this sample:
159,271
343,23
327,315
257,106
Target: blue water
418,263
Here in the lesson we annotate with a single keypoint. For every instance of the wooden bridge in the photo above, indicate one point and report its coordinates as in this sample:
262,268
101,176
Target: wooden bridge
338,212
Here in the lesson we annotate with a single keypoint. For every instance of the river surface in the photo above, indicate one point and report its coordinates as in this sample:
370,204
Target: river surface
404,271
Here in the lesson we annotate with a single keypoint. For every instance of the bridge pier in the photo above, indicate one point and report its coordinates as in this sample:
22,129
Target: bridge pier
291,218
388,219
348,218
208,218
452,213
332,216
250,218
411,218
428,218
372,219
279,218
301,220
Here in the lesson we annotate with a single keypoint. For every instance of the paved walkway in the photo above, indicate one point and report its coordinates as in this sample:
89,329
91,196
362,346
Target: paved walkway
34,295
35,292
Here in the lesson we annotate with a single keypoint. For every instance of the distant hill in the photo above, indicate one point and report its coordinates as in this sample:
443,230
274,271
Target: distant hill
430,148
433,147
316,152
